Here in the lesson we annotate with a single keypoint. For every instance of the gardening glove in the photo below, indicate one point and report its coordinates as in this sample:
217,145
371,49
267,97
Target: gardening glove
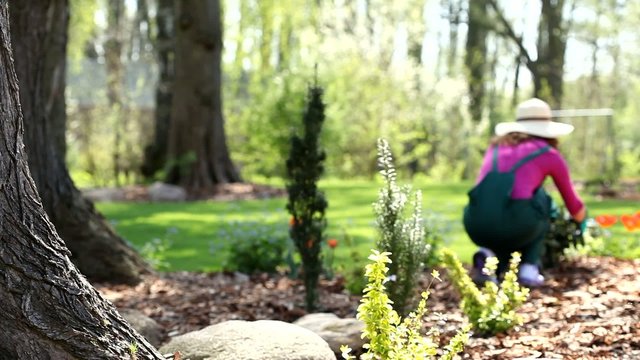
582,226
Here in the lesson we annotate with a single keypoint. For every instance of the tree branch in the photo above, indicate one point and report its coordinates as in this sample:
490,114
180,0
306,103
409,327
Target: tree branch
510,33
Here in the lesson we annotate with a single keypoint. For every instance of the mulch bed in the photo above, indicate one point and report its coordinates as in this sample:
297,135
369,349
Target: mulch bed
589,308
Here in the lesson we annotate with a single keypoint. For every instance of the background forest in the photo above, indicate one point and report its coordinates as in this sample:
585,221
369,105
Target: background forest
431,76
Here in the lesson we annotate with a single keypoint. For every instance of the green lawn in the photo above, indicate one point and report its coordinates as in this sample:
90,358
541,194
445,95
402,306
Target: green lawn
194,227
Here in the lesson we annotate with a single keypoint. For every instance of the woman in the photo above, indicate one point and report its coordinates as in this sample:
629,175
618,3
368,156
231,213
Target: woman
508,208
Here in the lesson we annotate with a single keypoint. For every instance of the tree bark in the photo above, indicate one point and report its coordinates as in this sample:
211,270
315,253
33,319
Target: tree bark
155,154
198,150
49,310
39,34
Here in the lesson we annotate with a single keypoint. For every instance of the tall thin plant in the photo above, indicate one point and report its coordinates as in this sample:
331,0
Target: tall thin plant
307,204
400,233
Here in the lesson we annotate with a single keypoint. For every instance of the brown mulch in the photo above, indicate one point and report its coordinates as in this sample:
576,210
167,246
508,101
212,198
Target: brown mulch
589,308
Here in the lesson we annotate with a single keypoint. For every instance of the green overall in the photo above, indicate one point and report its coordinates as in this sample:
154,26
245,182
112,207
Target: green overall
496,221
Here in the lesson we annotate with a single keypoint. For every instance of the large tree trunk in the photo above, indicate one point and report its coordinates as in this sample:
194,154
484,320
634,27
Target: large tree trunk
39,33
49,310
198,150
155,154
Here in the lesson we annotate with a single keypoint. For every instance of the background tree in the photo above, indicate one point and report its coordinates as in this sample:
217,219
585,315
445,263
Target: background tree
198,153
39,34
547,69
476,59
49,310
155,154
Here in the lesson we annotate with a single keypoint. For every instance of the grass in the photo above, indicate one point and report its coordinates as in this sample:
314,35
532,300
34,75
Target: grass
194,227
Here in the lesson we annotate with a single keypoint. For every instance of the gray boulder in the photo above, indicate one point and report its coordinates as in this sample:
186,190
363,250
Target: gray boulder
334,330
246,340
144,325
166,192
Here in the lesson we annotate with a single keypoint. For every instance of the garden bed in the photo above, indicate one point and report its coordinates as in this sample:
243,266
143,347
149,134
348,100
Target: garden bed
589,308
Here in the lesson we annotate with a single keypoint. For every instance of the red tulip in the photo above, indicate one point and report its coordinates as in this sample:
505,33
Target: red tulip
606,220
630,222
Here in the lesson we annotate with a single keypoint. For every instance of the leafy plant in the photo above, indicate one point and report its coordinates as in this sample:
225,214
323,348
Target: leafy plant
492,309
307,203
435,229
355,280
255,246
155,251
391,337
401,236
564,233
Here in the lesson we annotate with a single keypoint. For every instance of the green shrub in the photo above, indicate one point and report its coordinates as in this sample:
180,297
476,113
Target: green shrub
391,337
254,246
307,204
403,237
492,309
564,233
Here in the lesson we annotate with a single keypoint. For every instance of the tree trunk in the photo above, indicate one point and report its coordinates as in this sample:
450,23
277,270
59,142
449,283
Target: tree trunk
115,78
198,153
476,57
155,154
552,43
454,24
39,32
49,310
547,70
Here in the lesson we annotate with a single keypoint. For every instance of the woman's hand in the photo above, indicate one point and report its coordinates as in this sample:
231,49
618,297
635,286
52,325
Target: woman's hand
581,215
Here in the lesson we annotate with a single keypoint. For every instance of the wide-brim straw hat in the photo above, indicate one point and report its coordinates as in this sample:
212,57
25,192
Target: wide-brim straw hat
533,117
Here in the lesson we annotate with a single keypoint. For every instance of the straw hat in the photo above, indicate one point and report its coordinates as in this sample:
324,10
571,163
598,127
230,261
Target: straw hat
533,117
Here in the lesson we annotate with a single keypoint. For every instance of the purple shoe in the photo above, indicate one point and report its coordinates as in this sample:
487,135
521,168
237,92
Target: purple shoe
529,276
477,273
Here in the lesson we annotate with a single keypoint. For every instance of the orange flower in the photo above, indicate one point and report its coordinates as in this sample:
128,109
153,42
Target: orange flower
606,220
637,215
631,222
292,221
332,243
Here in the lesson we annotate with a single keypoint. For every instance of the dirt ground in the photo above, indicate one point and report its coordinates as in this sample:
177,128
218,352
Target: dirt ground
589,308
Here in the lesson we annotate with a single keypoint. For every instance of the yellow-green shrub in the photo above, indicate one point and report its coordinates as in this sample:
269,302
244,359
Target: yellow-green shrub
390,337
491,309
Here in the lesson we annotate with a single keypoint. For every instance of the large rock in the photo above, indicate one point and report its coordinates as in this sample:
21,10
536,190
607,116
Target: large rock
144,325
334,330
166,192
245,340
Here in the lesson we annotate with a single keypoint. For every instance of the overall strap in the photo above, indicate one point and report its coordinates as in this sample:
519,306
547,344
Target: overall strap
529,157
495,158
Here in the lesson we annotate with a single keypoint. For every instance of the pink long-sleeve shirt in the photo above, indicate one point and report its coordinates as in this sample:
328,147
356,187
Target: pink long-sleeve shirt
531,175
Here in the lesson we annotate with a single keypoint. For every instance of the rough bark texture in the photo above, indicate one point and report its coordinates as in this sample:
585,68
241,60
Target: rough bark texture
49,310
39,32
155,154
198,150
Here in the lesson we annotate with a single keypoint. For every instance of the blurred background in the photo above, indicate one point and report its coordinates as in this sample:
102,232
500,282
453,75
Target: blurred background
431,76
